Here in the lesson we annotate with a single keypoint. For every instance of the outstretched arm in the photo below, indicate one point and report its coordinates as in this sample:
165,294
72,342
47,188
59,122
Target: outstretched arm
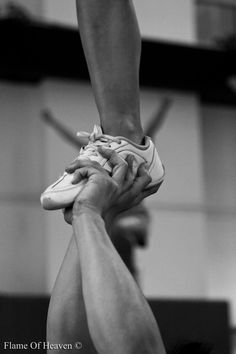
119,317
95,299
67,319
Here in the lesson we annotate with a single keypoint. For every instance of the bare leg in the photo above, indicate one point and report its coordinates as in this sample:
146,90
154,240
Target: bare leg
67,320
112,46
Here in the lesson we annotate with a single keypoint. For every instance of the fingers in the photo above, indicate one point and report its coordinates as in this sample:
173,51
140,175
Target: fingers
132,181
139,197
80,174
86,172
121,169
142,180
119,165
146,193
73,165
111,155
131,171
137,191
78,163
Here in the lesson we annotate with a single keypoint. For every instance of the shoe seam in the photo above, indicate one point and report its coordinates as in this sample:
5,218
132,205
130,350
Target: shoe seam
60,190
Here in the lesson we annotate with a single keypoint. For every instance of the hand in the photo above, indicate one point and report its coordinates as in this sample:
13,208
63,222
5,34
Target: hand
109,194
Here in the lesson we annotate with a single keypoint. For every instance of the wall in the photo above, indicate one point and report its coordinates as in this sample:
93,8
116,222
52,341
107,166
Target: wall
33,6
164,19
23,256
187,255
74,104
177,232
219,144
167,19
192,247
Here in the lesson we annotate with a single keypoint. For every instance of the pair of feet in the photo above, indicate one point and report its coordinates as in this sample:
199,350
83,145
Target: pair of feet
62,193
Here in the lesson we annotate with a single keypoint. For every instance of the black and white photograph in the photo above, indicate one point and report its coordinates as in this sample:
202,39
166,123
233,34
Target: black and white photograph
118,176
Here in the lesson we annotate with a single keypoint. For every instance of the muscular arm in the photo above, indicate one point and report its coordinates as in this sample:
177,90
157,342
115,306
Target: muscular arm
119,318
67,321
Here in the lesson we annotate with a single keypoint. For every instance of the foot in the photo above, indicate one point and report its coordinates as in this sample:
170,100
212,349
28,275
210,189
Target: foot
62,193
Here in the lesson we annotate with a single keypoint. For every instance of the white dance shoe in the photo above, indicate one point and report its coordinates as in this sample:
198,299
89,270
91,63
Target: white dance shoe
62,193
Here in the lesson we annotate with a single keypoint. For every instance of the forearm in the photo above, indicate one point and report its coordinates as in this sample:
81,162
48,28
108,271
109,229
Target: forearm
67,322
119,318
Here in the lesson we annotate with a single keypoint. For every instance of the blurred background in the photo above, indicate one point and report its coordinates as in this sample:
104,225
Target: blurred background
189,57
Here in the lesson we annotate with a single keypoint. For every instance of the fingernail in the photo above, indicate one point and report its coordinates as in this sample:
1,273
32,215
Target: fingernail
135,165
131,160
143,168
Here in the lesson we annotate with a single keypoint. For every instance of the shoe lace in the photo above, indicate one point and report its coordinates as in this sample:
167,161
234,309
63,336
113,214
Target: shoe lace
96,139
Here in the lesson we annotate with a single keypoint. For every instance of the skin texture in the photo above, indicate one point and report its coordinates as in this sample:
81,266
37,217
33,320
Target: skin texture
125,236
95,299
112,45
123,171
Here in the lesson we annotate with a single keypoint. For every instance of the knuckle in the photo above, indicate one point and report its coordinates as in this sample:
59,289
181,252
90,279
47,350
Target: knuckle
149,178
69,168
113,154
76,173
109,151
73,166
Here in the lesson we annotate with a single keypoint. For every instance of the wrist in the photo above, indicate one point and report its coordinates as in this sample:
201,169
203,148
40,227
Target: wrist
109,218
84,208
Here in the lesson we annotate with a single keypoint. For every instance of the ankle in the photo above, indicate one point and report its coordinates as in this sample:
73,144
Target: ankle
126,126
